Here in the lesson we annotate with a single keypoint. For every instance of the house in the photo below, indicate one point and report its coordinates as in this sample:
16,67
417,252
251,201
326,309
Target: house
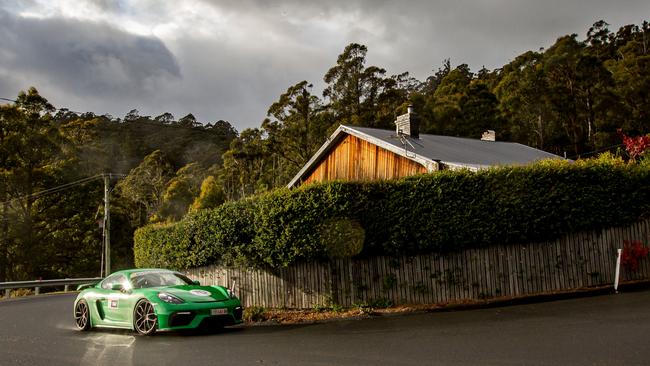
361,153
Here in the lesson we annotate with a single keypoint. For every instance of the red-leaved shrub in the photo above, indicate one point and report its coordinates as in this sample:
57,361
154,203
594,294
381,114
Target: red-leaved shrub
633,252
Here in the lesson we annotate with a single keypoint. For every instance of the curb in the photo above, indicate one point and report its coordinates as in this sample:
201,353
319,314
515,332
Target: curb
629,286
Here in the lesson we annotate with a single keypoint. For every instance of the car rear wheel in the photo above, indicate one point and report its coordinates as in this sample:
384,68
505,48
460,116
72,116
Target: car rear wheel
82,315
144,318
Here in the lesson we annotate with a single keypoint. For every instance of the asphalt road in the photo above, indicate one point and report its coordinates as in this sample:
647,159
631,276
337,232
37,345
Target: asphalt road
603,330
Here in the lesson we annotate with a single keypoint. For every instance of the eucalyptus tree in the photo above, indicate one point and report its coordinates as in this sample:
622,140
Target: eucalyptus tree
145,186
296,126
631,71
31,157
360,95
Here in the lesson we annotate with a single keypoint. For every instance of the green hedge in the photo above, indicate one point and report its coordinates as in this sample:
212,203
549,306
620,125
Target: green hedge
431,213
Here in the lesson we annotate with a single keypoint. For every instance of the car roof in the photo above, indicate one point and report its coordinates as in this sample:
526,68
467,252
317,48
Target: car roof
129,272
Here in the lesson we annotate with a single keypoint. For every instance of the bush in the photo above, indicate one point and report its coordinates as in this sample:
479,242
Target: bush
431,213
254,314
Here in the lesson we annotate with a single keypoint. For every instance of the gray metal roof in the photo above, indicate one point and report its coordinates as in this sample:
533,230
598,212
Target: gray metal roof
428,150
463,151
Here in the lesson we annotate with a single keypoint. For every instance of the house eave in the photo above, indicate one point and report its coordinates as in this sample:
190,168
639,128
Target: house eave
428,163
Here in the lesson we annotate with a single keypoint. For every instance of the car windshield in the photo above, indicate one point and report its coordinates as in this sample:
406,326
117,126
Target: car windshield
157,279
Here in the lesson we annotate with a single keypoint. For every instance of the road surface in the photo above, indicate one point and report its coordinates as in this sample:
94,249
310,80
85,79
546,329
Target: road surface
603,330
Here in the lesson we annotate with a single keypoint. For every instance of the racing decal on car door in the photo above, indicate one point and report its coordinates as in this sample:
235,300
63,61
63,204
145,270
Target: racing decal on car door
113,303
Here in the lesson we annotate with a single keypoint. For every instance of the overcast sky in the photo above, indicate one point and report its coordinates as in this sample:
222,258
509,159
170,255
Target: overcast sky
230,59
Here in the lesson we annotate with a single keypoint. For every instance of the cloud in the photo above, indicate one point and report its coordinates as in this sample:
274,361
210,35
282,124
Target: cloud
83,58
231,59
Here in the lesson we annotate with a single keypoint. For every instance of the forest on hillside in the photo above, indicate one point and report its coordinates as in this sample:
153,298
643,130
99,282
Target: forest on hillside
576,98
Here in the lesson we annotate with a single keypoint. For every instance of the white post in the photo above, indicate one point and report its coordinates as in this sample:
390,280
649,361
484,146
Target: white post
618,268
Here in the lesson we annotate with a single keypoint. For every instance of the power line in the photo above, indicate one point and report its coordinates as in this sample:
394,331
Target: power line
57,188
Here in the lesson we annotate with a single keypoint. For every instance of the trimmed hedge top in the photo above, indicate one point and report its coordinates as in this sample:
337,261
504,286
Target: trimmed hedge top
430,213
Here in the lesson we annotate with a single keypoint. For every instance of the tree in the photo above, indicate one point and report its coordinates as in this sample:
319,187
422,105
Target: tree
447,101
479,110
344,89
224,129
145,185
180,193
165,118
296,128
211,196
360,95
631,73
30,159
246,169
522,92
188,121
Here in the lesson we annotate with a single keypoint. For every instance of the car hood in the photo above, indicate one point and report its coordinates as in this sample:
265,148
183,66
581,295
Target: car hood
195,293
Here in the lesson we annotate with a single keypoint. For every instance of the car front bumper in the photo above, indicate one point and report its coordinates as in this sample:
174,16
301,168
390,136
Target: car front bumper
194,314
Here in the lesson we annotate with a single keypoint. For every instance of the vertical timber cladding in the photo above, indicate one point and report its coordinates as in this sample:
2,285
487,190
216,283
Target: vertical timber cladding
356,159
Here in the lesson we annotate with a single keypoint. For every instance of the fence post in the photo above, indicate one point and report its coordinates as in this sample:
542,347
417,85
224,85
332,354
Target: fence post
37,290
7,292
618,269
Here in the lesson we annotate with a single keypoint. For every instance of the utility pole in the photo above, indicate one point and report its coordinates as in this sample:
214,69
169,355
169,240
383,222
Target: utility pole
107,225
4,245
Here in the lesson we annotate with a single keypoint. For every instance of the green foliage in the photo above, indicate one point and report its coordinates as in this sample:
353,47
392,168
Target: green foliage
56,234
145,184
211,195
253,314
389,282
568,98
181,192
296,128
342,237
433,213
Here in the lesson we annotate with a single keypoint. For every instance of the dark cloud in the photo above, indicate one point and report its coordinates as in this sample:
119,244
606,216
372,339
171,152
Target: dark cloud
85,59
230,59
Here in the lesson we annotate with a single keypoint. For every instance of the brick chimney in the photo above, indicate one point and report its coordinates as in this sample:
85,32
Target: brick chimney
489,135
408,124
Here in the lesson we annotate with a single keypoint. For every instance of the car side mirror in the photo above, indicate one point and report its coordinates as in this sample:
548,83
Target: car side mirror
196,283
117,287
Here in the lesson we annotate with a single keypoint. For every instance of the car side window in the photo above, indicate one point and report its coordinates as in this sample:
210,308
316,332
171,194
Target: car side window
113,279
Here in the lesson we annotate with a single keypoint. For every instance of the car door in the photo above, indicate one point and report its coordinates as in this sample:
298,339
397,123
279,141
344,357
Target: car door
113,305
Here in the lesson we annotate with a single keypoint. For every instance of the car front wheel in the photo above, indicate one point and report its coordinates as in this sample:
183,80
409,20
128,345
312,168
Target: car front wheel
144,318
82,315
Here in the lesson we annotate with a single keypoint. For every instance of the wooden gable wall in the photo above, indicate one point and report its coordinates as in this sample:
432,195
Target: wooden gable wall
357,159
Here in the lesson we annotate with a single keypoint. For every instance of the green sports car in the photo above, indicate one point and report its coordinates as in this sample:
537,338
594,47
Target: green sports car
147,300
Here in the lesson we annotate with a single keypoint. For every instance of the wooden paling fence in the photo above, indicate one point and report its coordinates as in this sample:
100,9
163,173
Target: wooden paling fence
573,261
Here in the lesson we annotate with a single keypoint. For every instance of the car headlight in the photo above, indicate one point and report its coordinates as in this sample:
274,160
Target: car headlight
169,298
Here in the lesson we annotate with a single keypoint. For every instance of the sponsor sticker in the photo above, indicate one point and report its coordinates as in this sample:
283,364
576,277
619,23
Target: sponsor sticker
200,292
112,303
